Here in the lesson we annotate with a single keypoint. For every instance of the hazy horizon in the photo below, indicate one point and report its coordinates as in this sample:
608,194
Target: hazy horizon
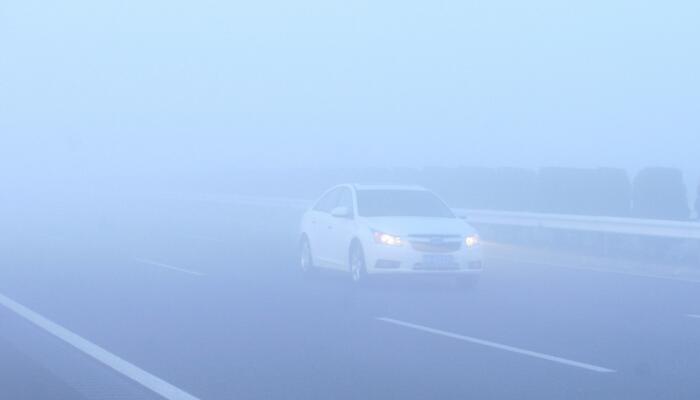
133,85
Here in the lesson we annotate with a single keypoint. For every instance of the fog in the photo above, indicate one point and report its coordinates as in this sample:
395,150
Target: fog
126,85
517,216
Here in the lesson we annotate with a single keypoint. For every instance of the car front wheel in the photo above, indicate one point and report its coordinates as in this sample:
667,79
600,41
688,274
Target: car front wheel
358,270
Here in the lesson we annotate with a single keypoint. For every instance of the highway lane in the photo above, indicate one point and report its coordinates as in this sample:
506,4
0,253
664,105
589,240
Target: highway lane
21,377
247,325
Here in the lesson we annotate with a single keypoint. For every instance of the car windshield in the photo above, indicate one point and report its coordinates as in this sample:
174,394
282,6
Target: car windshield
401,203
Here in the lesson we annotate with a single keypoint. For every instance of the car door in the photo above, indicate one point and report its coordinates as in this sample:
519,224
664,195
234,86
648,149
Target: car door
319,224
341,231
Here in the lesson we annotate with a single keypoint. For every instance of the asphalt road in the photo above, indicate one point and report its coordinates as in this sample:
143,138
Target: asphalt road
205,298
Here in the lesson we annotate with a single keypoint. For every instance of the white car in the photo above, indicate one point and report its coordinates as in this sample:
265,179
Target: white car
388,229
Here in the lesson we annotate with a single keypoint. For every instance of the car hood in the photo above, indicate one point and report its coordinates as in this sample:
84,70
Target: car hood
404,226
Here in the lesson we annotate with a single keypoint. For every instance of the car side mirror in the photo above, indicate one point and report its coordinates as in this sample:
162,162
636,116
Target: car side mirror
341,212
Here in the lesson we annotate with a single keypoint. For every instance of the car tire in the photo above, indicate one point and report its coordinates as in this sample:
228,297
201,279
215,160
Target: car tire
357,266
306,260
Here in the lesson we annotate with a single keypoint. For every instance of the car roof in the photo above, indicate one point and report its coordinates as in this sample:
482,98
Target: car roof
386,186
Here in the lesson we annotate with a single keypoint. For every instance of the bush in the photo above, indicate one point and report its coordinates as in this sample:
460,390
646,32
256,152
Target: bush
513,189
601,191
610,193
660,193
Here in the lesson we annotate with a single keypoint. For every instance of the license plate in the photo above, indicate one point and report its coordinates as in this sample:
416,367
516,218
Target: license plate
438,260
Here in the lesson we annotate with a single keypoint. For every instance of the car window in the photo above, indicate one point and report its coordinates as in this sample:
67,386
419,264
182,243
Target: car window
345,200
401,203
328,202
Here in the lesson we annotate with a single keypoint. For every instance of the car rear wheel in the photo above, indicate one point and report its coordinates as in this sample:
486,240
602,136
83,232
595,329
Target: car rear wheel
358,270
306,261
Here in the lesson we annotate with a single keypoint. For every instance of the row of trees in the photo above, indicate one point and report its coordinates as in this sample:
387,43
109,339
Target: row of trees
658,193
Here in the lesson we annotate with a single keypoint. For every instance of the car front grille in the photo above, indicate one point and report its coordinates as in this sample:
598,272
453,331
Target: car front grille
435,244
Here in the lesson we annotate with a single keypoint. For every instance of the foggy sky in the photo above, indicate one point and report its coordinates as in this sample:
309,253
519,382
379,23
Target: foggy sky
151,84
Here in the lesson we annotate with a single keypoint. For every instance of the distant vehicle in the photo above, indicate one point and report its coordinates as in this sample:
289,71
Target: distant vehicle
370,230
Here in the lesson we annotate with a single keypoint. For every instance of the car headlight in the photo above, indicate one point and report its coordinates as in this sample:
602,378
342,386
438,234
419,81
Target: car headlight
472,241
387,239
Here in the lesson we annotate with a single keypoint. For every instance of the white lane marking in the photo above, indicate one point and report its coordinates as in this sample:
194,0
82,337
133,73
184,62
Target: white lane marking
595,269
123,367
158,264
696,316
498,346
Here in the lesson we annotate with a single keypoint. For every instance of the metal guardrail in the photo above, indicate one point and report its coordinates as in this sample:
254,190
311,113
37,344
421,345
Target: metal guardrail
628,226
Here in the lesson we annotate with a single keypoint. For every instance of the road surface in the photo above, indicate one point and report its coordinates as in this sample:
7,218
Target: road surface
147,297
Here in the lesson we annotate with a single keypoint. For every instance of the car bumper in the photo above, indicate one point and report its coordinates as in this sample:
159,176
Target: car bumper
384,260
